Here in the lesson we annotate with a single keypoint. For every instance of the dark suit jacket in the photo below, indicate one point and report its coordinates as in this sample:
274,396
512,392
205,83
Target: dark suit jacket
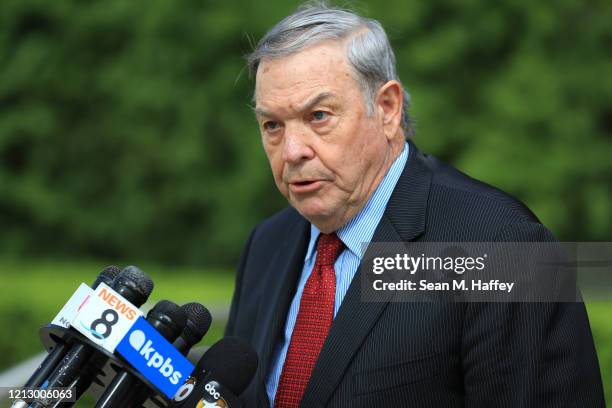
393,354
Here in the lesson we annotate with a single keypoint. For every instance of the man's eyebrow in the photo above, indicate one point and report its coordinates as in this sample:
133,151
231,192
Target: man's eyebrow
314,101
304,108
261,112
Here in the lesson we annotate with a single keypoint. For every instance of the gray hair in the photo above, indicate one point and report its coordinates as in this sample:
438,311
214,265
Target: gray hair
368,50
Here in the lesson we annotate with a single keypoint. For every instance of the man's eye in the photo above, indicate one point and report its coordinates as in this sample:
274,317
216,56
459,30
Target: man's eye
270,125
319,115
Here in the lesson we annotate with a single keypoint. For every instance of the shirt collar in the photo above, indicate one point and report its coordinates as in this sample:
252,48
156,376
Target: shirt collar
361,228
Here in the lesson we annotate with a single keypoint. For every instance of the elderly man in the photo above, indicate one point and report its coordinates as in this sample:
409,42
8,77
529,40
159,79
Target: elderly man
334,125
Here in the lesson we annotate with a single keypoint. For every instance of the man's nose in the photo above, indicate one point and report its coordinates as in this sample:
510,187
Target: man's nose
296,146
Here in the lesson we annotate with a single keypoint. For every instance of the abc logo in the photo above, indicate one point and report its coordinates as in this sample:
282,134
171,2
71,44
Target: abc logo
145,348
214,398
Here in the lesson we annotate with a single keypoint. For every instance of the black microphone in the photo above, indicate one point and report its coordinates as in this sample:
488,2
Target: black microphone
222,374
169,320
133,285
198,323
107,276
60,349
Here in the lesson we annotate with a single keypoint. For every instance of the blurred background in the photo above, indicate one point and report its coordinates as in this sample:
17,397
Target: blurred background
126,135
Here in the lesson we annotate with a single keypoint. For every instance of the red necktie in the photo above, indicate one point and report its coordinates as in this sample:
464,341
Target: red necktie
312,324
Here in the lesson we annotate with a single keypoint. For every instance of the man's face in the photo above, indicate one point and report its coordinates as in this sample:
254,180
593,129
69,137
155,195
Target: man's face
327,155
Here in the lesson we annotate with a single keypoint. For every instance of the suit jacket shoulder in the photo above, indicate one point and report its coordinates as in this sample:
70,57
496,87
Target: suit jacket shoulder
461,208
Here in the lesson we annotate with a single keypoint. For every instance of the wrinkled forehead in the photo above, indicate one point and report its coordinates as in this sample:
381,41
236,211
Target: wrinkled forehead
321,67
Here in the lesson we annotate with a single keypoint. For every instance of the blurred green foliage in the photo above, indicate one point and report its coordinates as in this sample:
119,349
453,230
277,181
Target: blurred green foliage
39,289
599,317
126,132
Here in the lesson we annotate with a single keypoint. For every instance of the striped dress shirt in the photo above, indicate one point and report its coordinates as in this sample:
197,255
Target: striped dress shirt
353,234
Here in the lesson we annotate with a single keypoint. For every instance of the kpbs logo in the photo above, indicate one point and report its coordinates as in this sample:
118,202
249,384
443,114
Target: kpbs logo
154,357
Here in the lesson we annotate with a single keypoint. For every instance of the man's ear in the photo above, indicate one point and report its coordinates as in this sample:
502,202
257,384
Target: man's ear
389,101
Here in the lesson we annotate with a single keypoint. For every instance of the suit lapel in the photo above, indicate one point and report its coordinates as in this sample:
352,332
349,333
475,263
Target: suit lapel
403,220
282,275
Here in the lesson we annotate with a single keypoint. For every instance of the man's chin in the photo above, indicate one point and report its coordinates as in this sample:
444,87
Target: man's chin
324,218
313,212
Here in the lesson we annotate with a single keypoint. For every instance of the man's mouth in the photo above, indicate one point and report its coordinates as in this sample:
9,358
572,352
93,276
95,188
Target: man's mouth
305,186
304,183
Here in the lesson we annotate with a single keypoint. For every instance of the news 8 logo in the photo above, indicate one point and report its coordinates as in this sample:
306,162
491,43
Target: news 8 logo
154,357
105,317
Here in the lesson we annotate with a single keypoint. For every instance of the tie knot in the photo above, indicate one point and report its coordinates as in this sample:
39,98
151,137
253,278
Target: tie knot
329,247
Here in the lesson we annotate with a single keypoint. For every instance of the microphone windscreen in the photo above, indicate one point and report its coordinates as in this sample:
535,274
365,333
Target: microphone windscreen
169,313
198,322
110,271
136,279
107,276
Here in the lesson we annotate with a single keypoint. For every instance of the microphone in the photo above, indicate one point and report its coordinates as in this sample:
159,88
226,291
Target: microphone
169,320
131,284
60,349
107,276
198,323
223,373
